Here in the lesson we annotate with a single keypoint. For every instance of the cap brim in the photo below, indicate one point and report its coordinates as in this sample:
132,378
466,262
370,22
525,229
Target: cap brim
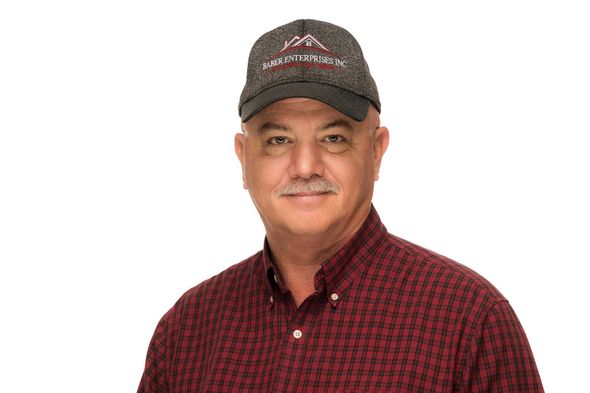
352,105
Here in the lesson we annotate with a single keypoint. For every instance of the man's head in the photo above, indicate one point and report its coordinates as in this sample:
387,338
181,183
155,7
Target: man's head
312,143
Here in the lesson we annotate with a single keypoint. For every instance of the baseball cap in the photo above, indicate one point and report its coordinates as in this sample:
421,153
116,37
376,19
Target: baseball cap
312,59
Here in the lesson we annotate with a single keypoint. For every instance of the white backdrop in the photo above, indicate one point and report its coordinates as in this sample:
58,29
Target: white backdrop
119,188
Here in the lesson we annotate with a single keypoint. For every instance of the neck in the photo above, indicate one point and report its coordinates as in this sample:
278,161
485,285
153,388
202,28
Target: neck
298,258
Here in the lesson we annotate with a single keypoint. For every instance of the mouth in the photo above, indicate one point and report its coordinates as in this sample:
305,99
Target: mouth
308,201
305,194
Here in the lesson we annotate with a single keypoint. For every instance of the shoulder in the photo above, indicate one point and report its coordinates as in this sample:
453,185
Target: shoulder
215,295
194,318
221,286
200,310
420,273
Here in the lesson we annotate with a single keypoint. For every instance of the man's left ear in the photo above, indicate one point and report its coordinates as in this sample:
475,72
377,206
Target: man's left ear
239,146
380,144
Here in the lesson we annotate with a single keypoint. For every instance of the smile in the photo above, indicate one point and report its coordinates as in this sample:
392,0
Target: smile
309,194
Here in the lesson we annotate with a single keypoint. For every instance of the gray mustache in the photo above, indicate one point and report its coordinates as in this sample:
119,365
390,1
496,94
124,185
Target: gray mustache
301,185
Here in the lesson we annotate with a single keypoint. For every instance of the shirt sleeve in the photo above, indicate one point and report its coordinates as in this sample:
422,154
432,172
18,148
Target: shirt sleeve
154,378
500,358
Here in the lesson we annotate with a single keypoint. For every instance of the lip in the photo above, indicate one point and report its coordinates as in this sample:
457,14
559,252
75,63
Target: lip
308,201
308,194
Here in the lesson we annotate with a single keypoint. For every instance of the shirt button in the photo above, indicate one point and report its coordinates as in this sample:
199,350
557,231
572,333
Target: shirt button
334,297
271,299
297,334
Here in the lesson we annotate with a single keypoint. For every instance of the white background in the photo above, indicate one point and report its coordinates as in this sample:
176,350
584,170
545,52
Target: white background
119,188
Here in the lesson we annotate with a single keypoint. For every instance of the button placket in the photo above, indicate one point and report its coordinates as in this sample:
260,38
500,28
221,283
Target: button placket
298,336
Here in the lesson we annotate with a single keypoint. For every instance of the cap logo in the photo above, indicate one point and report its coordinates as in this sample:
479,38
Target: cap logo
308,41
318,57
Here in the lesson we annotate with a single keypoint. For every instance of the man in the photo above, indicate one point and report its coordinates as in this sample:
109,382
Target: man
333,303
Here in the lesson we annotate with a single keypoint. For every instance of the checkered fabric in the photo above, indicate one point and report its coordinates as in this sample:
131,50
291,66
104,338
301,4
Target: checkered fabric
387,316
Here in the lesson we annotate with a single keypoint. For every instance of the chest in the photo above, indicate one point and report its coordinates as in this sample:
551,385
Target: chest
359,345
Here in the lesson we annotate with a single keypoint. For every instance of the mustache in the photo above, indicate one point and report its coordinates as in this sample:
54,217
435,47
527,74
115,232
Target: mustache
315,184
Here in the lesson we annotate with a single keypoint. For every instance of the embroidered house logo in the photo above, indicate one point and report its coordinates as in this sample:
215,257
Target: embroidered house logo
318,55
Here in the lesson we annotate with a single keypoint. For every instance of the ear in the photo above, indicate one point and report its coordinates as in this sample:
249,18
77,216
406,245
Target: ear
240,148
380,144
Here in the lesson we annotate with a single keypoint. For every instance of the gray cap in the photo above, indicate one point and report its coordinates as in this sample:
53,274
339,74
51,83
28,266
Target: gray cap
312,59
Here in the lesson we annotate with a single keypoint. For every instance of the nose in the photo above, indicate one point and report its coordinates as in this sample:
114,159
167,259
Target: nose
306,160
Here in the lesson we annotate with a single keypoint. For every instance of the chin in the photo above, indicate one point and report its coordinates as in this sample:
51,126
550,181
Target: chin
308,222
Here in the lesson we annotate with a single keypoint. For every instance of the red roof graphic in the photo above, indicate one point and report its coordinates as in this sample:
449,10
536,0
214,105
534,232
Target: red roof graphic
308,41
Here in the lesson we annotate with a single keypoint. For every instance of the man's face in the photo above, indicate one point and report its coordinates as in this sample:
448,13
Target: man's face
309,168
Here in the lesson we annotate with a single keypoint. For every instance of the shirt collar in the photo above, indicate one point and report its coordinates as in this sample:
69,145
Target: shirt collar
339,271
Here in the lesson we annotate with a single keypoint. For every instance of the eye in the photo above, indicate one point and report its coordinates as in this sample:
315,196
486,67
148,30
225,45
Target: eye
334,138
277,140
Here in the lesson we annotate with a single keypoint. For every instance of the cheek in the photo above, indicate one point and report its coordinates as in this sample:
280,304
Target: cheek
352,172
265,173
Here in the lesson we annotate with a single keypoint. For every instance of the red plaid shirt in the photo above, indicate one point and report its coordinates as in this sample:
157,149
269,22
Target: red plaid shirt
387,316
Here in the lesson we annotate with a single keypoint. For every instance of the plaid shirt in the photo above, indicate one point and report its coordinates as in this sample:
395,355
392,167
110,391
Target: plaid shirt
387,316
